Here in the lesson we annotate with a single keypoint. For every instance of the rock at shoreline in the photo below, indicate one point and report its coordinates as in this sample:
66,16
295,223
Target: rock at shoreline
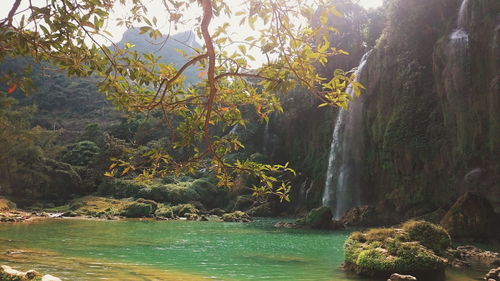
493,275
399,277
8,273
320,218
467,255
361,216
472,217
416,249
237,216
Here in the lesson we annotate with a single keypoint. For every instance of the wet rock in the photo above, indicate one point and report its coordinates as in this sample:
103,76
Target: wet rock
361,216
282,224
8,273
50,278
321,218
237,216
32,274
399,277
467,255
472,217
493,275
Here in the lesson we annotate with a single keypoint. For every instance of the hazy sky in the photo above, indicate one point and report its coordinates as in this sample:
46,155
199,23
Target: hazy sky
238,33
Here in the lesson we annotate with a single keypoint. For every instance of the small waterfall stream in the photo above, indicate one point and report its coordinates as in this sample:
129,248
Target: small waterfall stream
458,69
342,177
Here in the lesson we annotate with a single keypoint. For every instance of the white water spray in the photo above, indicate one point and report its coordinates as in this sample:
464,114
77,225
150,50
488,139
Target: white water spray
342,190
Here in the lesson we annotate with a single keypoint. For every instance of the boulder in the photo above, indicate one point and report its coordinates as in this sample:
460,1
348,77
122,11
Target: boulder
493,275
472,217
8,273
237,216
321,218
400,277
380,252
361,216
468,255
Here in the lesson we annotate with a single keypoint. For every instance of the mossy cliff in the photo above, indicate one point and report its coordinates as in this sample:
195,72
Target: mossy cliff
431,117
430,138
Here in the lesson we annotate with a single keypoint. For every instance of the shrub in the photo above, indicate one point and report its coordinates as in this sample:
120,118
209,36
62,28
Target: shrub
81,153
118,188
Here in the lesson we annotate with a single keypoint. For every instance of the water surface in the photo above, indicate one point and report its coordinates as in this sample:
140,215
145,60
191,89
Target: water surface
177,250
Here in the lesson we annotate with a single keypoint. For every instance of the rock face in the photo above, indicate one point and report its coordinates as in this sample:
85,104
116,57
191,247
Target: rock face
399,277
493,275
472,217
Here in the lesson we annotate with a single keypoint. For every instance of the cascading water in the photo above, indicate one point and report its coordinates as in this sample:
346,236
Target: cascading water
342,177
457,69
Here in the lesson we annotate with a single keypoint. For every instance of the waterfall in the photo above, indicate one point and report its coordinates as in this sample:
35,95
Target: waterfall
266,142
457,69
342,186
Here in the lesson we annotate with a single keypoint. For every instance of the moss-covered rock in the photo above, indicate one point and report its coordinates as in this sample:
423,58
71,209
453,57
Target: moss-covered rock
320,218
98,206
9,274
381,252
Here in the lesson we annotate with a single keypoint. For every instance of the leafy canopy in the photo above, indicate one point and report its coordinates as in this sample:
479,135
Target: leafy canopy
68,32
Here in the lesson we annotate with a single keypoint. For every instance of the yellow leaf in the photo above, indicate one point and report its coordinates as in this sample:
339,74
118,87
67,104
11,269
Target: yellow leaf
201,74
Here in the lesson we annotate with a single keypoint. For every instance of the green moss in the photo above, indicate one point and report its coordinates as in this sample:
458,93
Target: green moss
429,235
376,259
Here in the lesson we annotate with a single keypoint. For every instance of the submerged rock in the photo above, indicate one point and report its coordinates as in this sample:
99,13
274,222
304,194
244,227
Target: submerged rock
472,217
399,277
493,275
320,218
